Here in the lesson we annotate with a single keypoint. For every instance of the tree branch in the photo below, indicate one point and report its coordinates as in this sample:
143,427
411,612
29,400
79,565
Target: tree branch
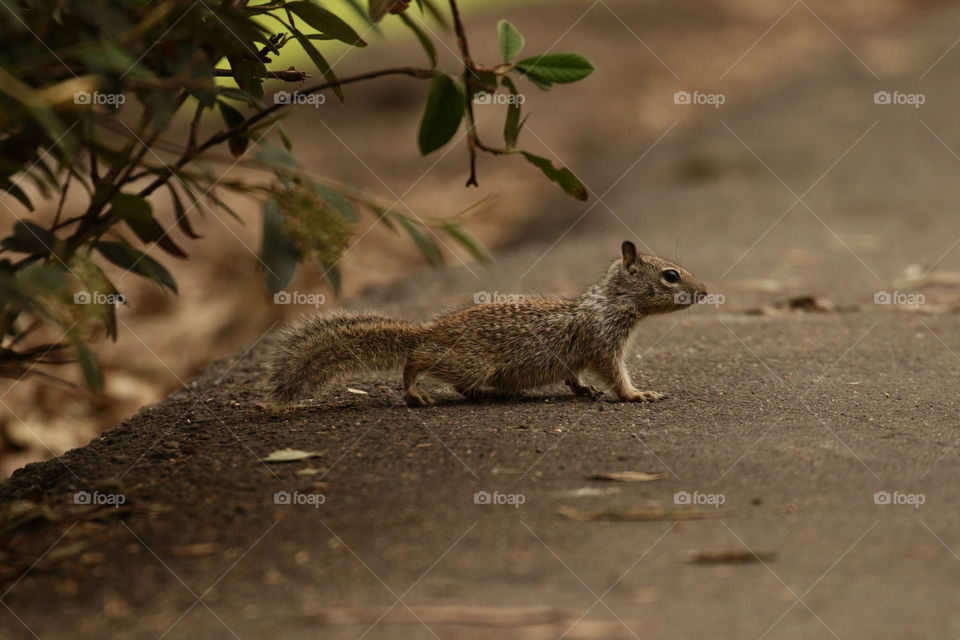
222,136
469,74
287,75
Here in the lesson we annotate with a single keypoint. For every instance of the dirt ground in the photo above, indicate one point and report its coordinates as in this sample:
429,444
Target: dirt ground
806,460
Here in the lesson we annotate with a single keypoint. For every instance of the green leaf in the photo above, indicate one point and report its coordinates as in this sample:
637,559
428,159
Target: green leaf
357,7
161,104
278,252
137,213
39,182
284,138
128,258
541,84
38,279
205,96
562,176
442,115
183,222
511,42
337,201
108,59
466,239
384,217
512,124
321,63
331,273
12,7
90,367
129,206
379,8
248,74
48,174
427,246
482,81
275,157
556,67
29,238
237,143
233,93
16,192
424,39
325,22
429,7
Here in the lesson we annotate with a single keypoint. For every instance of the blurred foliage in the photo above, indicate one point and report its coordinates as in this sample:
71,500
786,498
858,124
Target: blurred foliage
88,88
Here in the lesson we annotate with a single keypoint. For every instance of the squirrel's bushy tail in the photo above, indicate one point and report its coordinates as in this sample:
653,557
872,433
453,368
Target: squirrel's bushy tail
314,350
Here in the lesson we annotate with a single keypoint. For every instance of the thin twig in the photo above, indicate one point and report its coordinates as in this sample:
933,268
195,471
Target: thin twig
63,198
94,170
469,73
287,75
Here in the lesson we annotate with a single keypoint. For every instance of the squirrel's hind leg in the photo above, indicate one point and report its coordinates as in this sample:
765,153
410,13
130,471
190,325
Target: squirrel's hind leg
471,393
413,396
583,390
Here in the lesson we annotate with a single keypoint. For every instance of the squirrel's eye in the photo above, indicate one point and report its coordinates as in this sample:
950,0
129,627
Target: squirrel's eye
671,275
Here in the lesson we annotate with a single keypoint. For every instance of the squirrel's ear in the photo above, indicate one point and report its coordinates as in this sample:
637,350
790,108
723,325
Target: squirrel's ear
630,257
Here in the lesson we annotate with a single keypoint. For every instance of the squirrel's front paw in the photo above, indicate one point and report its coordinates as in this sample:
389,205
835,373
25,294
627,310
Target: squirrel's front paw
644,396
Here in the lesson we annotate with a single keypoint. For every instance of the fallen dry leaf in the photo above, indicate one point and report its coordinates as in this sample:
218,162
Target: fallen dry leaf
524,623
291,455
309,471
590,492
623,514
629,476
736,556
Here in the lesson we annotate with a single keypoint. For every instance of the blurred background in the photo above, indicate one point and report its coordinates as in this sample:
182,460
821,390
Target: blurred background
645,52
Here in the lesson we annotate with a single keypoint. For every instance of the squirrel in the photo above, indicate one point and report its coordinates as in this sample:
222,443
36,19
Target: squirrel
492,348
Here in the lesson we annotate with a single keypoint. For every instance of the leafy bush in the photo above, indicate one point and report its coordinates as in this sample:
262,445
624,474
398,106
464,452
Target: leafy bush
88,88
